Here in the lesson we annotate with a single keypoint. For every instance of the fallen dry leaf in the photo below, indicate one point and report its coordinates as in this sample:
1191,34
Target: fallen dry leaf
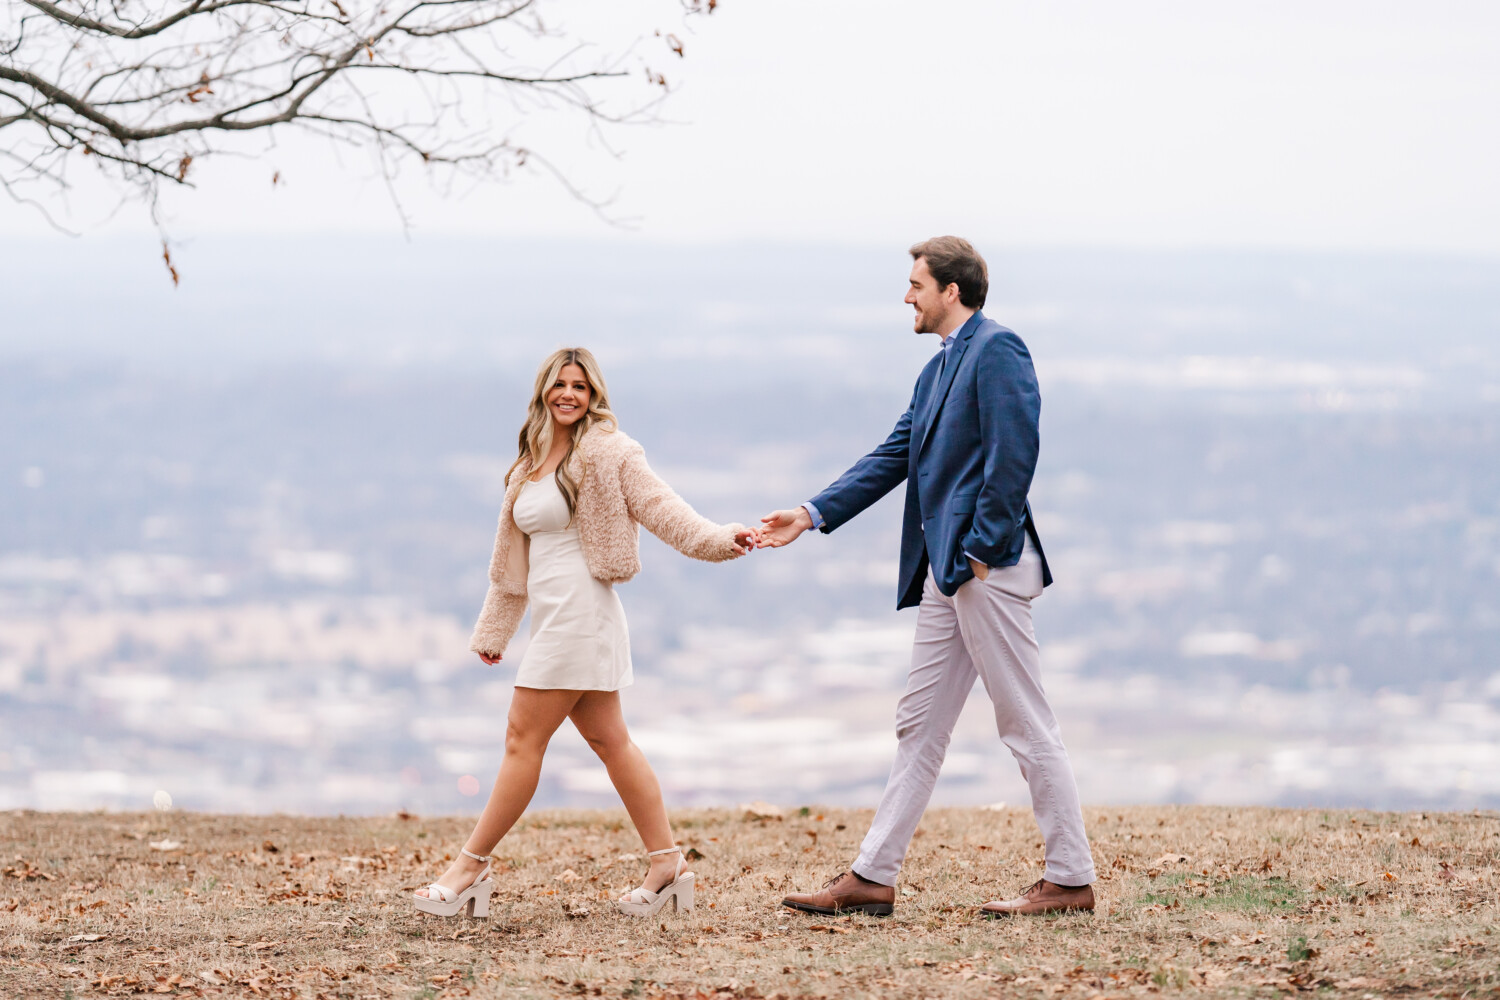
1236,925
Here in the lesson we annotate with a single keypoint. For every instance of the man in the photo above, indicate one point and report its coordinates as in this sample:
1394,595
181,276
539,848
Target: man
972,562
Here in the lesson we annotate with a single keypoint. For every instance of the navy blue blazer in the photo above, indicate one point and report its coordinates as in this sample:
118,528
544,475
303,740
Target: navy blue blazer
967,448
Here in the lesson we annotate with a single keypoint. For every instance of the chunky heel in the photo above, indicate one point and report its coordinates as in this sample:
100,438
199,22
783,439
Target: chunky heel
682,895
442,901
643,902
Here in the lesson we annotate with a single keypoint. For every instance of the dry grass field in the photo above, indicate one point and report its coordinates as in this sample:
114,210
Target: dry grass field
1193,901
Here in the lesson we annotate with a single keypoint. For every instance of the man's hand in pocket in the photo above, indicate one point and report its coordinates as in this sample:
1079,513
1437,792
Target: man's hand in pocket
980,569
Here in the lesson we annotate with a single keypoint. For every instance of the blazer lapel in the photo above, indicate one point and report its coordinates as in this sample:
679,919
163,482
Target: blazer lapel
950,369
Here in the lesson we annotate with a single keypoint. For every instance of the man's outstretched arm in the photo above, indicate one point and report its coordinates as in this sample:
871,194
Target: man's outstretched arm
869,479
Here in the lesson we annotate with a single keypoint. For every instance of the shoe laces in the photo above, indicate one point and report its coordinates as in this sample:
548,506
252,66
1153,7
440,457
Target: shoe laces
837,879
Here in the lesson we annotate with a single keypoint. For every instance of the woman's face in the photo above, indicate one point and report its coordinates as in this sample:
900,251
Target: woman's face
568,399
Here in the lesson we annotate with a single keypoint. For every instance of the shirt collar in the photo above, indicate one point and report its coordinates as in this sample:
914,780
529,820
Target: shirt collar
954,335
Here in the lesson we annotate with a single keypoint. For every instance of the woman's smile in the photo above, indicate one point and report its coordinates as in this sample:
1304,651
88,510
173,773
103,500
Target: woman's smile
568,399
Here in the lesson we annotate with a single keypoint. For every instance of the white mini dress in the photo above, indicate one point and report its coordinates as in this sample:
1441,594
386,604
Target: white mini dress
579,640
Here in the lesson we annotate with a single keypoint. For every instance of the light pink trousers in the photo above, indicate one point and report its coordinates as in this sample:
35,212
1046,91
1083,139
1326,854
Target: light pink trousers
983,630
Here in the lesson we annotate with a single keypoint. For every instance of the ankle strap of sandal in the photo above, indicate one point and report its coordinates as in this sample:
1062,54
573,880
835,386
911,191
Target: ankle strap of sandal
470,854
664,850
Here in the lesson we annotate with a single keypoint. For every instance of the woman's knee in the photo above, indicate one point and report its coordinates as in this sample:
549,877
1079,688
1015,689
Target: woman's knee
525,740
609,744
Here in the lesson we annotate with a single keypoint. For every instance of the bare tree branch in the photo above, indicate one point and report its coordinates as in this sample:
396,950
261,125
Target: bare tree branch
144,90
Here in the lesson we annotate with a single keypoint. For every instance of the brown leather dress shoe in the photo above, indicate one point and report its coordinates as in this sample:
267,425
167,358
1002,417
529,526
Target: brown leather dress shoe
845,893
1042,897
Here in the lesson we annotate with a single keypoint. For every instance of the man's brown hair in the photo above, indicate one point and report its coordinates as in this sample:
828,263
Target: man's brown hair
953,260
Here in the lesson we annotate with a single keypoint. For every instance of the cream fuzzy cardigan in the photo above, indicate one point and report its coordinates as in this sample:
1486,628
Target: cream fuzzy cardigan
617,492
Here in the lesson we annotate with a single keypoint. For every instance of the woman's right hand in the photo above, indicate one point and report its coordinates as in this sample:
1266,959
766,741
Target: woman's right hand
491,660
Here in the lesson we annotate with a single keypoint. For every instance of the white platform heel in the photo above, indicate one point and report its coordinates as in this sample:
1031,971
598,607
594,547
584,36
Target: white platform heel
643,902
445,902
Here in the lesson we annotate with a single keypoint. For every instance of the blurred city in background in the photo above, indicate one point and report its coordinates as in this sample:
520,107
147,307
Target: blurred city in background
247,524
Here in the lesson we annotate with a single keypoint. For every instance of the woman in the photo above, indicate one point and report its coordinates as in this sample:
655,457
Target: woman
568,532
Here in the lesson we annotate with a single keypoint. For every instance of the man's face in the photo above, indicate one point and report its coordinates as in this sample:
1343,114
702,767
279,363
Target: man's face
932,302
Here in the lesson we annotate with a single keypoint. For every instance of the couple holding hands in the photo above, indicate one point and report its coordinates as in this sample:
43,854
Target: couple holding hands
971,562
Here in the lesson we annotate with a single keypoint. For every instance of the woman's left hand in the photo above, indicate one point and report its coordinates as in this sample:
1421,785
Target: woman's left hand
745,540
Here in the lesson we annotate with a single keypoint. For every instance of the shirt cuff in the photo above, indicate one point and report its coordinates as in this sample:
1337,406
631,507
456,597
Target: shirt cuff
812,512
975,558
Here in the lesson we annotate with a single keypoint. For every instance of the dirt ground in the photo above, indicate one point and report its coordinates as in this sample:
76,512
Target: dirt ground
1193,900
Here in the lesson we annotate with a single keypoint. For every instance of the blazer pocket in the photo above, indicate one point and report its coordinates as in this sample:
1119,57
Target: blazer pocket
962,503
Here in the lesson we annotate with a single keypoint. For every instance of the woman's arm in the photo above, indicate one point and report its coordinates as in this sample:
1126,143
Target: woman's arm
505,601
658,508
498,622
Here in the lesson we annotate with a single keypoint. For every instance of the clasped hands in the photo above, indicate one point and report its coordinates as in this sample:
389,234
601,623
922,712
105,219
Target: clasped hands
778,528
782,527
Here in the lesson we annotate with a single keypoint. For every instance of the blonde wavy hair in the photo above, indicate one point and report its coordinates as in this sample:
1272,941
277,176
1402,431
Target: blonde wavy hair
536,434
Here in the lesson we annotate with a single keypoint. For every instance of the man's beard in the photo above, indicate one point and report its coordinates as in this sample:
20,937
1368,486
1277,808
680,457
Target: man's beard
930,322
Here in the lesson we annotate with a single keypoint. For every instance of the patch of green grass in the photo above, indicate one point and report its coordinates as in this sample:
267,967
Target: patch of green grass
1170,975
1241,892
1299,950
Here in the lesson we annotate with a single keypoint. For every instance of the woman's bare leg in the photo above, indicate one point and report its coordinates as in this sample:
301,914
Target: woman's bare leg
534,717
599,720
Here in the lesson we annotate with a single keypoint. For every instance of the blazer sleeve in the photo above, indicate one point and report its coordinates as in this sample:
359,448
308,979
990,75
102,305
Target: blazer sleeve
871,478
658,508
1010,406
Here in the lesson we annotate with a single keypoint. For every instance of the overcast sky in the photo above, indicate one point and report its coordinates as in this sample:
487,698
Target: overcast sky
1299,125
